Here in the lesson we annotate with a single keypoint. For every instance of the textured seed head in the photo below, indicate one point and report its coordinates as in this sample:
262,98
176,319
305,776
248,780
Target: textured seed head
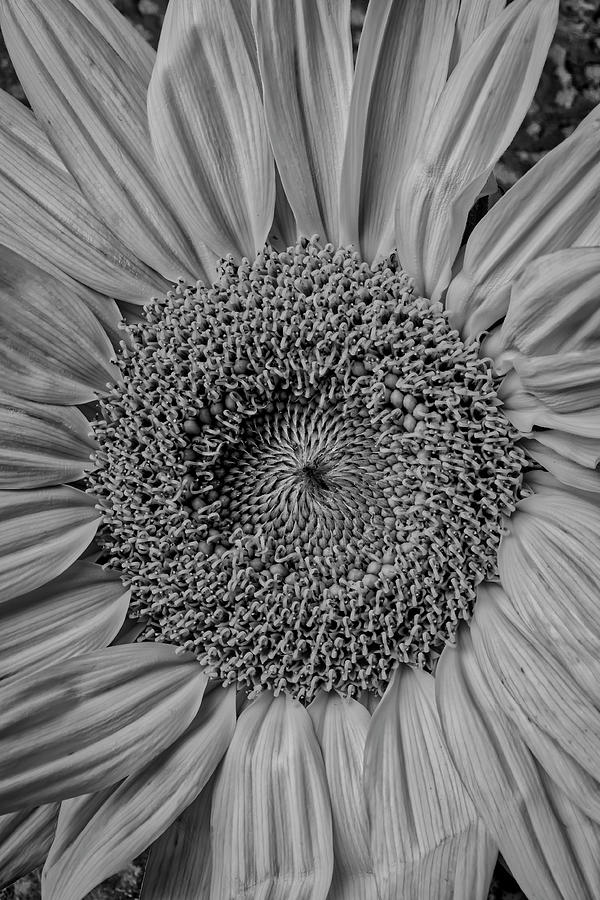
304,472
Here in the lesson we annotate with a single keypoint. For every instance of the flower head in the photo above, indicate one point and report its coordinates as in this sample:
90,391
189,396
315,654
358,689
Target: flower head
298,563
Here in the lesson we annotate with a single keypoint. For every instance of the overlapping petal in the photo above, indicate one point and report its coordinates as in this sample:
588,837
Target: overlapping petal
305,58
92,103
208,126
47,219
42,444
566,470
41,533
550,570
96,837
525,410
341,726
179,864
25,838
473,17
82,609
52,348
504,781
427,840
527,222
474,120
401,68
86,723
271,816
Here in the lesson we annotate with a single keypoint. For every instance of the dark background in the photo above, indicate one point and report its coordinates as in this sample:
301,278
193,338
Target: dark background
569,89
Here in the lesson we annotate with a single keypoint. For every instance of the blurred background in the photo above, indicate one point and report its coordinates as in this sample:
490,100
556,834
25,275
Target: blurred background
568,90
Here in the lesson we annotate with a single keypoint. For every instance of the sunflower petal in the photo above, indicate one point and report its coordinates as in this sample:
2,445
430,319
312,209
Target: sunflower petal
554,305
92,104
41,444
52,348
525,410
341,727
529,221
474,120
403,48
549,572
552,706
271,816
94,841
305,57
582,450
80,610
41,533
85,723
504,780
208,127
473,17
45,214
179,864
120,34
567,471
25,838
426,839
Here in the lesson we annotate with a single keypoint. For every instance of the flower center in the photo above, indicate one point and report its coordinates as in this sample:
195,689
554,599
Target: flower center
304,472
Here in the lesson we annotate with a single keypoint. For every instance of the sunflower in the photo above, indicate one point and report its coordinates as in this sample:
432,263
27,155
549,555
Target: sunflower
299,495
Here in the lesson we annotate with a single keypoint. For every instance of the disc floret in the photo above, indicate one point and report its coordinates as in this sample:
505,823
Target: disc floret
304,472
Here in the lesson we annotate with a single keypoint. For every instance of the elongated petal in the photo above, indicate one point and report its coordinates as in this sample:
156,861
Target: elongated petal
95,116
525,411
553,708
179,864
271,816
305,58
25,838
45,213
93,842
473,17
565,382
207,124
401,69
80,610
52,348
566,470
121,34
426,838
584,451
41,533
474,120
553,305
529,221
503,779
42,444
341,727
85,723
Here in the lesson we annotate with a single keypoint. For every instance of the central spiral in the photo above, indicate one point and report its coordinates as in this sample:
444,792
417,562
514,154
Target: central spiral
303,473
308,473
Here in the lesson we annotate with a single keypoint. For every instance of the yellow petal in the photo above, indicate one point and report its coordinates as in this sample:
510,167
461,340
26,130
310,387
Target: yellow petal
25,839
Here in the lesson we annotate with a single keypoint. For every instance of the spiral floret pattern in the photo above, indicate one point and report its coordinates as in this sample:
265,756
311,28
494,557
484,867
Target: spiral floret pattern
304,472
